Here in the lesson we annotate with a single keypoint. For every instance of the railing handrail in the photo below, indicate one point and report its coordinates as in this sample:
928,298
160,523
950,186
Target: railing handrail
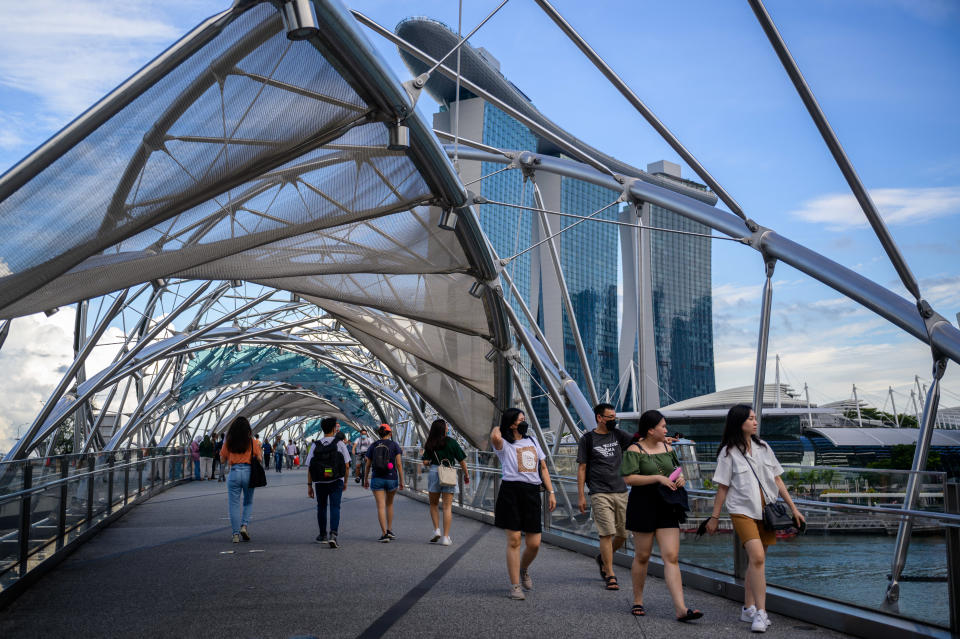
78,476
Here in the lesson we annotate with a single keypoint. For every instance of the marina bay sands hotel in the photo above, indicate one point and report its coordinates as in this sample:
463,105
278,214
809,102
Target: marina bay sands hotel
674,290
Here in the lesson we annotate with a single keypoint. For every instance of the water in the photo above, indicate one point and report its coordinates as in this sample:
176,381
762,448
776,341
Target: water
850,568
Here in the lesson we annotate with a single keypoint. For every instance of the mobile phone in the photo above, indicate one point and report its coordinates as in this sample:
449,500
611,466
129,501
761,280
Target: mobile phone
676,473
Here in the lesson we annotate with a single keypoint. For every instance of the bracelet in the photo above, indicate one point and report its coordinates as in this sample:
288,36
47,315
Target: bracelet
550,491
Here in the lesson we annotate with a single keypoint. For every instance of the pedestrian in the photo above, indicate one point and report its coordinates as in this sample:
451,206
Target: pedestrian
747,476
217,446
290,451
439,449
238,449
195,457
267,453
518,509
206,457
647,466
278,455
328,466
360,446
599,455
383,460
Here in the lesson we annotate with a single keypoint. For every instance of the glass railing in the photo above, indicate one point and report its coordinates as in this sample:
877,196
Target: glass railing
48,503
845,555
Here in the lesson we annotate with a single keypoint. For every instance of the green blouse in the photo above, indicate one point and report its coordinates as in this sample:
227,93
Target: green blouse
642,463
451,452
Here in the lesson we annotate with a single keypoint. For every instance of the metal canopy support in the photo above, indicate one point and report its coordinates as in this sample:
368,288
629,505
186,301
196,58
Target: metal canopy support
555,394
23,446
761,370
565,293
638,104
924,437
830,138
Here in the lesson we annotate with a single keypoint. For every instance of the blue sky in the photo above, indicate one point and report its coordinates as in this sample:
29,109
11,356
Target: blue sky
886,72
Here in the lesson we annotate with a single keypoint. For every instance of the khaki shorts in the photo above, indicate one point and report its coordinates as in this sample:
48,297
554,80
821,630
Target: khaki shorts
610,513
747,529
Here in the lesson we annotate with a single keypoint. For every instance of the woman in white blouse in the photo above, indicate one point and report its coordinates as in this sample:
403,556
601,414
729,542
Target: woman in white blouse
747,475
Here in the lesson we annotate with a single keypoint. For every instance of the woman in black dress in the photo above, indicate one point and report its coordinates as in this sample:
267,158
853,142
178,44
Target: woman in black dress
647,465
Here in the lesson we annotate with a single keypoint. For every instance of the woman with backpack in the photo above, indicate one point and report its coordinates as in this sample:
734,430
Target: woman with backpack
238,450
384,462
518,508
748,478
439,450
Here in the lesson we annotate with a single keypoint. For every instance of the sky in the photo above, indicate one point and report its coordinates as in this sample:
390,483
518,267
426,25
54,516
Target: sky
886,73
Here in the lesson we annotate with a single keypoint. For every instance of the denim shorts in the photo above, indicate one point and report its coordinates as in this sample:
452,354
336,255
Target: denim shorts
379,483
433,482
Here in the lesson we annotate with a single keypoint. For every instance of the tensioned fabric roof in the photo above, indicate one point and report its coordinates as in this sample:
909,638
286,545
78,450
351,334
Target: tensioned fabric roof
239,154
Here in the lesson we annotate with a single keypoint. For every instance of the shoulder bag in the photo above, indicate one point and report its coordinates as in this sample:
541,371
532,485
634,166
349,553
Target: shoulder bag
446,473
258,477
776,516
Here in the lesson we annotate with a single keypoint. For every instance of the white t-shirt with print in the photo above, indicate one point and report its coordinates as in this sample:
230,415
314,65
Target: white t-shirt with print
520,460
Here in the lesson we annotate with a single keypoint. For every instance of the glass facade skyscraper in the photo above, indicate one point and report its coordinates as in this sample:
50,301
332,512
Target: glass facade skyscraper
680,269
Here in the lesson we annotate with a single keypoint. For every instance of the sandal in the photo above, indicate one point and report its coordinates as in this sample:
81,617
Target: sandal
612,582
691,615
603,575
638,611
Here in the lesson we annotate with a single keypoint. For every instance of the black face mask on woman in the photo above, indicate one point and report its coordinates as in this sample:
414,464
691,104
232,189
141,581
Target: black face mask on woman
522,429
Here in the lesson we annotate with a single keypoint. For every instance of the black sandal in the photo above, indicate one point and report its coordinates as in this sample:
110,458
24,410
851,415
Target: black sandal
638,611
603,575
691,615
612,582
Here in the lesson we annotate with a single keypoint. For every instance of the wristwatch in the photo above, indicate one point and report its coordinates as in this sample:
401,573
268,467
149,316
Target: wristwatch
550,491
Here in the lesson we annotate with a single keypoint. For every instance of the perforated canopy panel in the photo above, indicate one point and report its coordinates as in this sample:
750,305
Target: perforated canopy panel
240,154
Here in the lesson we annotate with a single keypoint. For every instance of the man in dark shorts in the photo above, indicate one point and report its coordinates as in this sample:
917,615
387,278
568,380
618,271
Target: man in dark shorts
599,454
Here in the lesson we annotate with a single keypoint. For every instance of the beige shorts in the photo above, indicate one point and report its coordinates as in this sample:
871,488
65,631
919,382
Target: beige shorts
747,529
610,513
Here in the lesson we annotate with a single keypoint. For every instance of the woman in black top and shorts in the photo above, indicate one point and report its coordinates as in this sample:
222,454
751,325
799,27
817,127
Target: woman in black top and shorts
518,503
646,466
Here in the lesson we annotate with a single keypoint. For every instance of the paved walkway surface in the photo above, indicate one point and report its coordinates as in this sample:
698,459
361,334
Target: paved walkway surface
168,569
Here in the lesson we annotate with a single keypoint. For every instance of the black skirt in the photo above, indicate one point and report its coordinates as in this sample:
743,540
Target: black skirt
647,511
518,507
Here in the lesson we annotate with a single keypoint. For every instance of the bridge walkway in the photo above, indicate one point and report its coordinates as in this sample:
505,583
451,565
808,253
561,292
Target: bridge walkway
169,569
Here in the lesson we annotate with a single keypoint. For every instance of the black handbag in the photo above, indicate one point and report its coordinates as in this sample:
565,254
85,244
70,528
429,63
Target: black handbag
258,476
776,515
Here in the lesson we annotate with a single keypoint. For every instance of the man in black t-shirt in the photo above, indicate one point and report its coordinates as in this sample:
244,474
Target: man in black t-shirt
599,454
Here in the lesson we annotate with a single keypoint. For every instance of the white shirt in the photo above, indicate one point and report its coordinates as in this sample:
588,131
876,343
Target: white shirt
733,470
363,444
291,449
344,452
520,461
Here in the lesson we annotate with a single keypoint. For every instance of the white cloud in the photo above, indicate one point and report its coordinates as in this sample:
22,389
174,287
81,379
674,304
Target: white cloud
840,212
71,54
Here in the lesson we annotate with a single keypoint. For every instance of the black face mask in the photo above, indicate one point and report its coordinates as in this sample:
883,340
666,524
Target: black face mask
611,424
522,429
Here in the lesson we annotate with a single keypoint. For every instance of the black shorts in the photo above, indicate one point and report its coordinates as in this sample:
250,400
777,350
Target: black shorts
518,507
647,512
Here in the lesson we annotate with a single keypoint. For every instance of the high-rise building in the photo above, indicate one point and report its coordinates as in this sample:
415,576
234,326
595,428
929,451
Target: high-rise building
678,342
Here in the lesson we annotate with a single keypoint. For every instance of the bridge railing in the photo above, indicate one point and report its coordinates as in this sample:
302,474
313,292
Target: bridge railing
49,505
843,556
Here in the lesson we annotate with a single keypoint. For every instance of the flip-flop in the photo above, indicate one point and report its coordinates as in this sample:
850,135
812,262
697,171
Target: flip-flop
603,575
691,615
638,611
612,582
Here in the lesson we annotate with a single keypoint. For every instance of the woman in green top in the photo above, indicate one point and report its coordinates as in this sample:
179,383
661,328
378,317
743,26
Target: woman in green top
438,450
647,465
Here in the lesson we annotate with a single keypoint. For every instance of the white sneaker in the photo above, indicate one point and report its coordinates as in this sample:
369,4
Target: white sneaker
436,536
746,614
760,622
445,541
516,593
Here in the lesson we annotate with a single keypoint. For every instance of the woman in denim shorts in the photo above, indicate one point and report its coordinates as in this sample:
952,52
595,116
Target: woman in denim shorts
383,461
442,449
